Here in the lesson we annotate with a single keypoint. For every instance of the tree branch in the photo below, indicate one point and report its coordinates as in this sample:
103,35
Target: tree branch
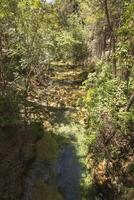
130,103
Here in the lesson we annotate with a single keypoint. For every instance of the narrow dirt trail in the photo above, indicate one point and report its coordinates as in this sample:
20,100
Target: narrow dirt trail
69,166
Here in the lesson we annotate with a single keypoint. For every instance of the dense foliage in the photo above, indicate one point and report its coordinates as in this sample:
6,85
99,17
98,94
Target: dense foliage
109,99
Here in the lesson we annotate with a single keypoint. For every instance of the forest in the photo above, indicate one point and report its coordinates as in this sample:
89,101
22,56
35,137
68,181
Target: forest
66,100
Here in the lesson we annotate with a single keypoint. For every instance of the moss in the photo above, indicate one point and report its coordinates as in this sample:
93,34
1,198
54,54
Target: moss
44,191
47,148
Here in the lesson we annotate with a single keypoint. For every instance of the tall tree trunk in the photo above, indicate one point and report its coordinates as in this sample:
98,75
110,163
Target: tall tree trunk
113,38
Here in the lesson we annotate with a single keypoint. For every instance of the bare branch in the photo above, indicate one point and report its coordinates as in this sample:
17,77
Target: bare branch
130,103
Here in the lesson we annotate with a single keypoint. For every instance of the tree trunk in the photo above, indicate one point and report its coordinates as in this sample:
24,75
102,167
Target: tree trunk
113,38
